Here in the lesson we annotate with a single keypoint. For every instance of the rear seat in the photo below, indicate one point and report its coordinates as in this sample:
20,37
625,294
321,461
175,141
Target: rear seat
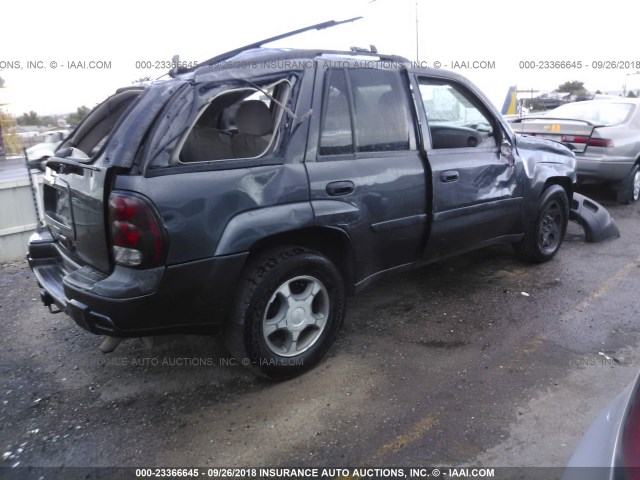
206,143
254,124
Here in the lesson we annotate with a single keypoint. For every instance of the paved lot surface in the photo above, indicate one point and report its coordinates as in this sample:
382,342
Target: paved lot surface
450,364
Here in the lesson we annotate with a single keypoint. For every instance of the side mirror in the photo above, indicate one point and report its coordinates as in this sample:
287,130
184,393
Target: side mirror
506,150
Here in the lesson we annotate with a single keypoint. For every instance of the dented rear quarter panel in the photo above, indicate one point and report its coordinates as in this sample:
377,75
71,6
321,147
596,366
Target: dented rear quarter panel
198,207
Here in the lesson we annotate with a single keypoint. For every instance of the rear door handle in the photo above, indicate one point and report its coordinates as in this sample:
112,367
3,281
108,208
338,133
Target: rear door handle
343,187
449,176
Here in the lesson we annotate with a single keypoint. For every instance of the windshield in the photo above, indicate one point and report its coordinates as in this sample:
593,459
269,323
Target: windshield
600,113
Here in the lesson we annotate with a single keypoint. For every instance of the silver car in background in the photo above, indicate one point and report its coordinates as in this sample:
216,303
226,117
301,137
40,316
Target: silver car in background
41,152
611,447
603,134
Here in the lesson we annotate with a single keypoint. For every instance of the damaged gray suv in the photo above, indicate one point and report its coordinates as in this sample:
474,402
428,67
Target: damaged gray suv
259,189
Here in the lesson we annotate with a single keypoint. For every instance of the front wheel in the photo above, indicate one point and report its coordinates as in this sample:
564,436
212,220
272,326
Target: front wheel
290,308
543,237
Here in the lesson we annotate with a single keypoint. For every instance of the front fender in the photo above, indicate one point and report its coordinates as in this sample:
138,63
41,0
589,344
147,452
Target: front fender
534,151
545,162
545,173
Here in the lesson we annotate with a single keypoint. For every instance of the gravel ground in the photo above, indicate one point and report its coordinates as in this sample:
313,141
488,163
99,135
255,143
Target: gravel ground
479,360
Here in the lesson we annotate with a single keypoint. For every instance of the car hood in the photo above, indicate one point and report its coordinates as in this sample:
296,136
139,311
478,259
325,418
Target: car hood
558,151
536,152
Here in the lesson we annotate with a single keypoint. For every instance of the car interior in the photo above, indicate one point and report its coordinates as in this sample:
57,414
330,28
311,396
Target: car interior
239,123
381,117
454,120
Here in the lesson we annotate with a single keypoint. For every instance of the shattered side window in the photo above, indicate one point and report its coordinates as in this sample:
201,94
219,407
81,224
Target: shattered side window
336,135
92,133
238,124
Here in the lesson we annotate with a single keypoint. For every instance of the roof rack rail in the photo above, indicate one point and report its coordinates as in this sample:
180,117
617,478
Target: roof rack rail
232,53
372,49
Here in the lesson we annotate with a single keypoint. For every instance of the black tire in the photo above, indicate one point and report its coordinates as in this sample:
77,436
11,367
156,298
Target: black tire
543,237
629,191
280,328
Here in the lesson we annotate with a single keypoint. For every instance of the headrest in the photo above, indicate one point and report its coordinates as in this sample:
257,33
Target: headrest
253,118
388,99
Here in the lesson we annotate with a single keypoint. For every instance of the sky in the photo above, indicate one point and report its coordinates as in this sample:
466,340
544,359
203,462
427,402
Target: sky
48,46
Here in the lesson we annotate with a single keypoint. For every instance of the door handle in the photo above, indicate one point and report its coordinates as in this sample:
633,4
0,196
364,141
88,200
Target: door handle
344,187
449,176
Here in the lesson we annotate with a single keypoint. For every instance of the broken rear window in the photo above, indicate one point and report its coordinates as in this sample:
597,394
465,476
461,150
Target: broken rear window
238,123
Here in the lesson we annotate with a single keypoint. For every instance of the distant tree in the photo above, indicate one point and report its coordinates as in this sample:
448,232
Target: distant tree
8,135
48,120
598,92
30,118
1,82
631,94
574,87
76,117
142,79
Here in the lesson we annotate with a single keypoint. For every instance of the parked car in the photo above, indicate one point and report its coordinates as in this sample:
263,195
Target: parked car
610,449
604,135
41,152
260,198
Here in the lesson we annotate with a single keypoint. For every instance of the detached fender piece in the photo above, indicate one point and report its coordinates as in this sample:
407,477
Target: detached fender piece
593,218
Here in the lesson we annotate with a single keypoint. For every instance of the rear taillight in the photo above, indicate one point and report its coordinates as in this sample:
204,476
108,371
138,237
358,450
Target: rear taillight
631,436
600,142
138,240
589,141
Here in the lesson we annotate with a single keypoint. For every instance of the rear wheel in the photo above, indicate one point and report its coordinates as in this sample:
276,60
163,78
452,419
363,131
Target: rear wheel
288,314
545,234
630,189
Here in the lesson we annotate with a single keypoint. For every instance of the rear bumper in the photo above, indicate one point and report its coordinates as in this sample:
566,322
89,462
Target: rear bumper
187,298
603,169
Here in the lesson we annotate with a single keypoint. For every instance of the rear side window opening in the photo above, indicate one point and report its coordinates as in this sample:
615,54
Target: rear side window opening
241,123
90,136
